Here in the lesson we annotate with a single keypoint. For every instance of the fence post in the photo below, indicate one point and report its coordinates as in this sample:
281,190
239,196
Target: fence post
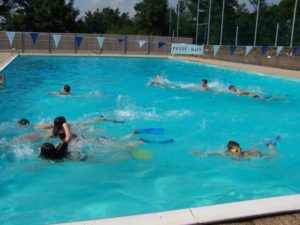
75,47
125,44
148,44
49,43
22,42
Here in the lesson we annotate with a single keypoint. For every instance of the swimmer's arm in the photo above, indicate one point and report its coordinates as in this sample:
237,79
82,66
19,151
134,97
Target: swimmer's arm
251,152
68,132
199,154
45,127
54,93
135,143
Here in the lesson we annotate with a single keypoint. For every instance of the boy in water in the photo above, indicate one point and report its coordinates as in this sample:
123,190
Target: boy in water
234,149
2,79
66,90
204,85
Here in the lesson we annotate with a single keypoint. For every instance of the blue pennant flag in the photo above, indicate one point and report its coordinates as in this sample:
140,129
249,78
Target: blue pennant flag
278,50
216,49
232,49
78,41
264,49
34,37
121,40
161,44
294,50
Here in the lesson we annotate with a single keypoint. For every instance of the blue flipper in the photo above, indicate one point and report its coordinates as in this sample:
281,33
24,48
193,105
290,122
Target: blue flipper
150,131
275,141
158,142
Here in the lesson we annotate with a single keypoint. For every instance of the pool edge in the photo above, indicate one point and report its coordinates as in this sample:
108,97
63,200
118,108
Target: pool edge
6,62
207,214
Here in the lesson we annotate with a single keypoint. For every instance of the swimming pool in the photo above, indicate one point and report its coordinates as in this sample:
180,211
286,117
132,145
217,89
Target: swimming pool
114,183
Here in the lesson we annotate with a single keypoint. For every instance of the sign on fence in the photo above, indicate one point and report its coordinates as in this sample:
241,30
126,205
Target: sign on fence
187,49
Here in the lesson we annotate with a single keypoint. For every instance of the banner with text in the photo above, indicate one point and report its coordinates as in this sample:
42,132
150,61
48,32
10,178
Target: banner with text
187,49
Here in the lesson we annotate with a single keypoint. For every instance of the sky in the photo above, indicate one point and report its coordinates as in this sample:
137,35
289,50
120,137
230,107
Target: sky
123,5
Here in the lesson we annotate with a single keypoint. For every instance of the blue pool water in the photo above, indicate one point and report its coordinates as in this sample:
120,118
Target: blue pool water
114,183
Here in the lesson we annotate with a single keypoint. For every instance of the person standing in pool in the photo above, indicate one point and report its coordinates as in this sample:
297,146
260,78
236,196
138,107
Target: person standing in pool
204,85
234,149
66,90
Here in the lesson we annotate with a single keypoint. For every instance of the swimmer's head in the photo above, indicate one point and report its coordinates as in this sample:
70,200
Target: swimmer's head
232,145
58,125
231,88
66,88
2,79
204,83
23,122
47,151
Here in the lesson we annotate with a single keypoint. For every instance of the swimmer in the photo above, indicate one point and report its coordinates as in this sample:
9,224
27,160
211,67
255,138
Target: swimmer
2,79
66,90
159,82
240,92
49,151
23,122
234,149
204,85
59,125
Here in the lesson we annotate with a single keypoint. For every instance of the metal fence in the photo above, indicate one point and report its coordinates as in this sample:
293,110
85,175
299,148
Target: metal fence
45,43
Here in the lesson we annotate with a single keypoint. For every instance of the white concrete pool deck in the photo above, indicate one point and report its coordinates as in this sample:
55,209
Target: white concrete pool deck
207,214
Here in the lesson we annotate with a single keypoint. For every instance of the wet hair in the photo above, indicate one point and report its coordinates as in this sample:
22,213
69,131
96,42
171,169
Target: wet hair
67,88
204,81
47,151
58,125
23,122
230,87
232,144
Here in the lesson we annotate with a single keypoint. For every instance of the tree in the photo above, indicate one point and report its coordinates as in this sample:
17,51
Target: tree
108,21
152,17
42,15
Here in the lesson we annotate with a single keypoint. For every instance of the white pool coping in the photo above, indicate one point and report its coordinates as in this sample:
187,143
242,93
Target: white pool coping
207,214
7,62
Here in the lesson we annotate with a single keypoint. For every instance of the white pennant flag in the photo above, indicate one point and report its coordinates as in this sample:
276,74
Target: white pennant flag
100,41
216,49
278,50
142,43
56,38
248,49
10,36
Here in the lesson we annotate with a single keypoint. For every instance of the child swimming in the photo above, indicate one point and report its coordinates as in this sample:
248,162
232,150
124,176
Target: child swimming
66,90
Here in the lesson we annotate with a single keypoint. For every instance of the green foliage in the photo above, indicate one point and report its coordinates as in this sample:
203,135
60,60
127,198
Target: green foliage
153,18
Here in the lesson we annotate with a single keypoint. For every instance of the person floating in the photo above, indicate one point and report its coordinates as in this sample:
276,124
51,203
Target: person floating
66,90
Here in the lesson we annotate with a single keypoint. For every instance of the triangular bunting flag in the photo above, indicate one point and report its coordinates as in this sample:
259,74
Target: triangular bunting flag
294,50
121,40
248,49
278,50
100,41
142,43
34,37
216,49
56,38
161,44
232,49
78,41
264,49
11,37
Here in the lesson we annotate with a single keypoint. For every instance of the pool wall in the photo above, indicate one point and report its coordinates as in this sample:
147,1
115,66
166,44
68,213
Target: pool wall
208,214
